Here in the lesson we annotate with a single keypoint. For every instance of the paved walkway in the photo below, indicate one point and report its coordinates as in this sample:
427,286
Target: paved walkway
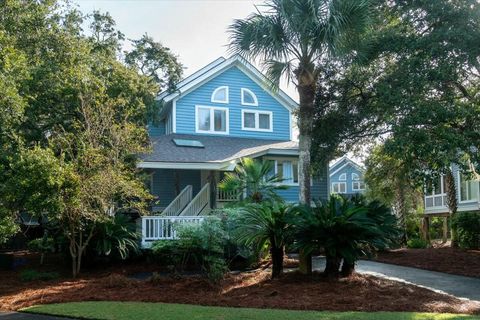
459,286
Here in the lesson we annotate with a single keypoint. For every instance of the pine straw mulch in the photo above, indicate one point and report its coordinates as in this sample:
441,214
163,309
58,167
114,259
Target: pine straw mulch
441,259
254,289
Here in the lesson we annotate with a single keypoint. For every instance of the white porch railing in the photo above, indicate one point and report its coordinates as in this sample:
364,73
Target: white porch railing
226,196
163,228
179,203
199,204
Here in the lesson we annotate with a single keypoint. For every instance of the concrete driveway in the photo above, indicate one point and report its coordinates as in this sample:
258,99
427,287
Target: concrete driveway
459,286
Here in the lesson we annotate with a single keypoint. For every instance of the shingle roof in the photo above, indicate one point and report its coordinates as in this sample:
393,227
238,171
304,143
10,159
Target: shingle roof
216,150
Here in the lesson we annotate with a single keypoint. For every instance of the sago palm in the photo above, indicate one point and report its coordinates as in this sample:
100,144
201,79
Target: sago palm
293,38
346,230
266,224
254,178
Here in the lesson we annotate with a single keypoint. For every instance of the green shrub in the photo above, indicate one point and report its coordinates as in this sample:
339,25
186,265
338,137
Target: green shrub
467,226
116,237
33,275
42,245
199,244
417,243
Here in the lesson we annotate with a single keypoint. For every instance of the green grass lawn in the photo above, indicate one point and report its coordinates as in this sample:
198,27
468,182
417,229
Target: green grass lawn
160,311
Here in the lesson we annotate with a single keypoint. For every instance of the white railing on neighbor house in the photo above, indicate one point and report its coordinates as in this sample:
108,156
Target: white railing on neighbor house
163,228
179,203
199,204
226,196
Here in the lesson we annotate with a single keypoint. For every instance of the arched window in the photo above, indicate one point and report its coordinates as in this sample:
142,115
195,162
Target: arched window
343,177
248,97
355,176
220,95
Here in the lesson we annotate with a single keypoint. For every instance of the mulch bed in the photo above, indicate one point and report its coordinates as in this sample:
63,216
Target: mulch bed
253,289
448,260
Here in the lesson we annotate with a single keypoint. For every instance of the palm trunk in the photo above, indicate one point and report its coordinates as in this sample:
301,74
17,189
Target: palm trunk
332,267
401,207
277,261
452,203
306,91
347,268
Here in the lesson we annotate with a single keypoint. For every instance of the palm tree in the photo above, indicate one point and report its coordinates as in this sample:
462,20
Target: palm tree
293,38
255,179
263,224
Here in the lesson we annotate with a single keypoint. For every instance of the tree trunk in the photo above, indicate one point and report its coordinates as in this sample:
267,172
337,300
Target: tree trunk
347,268
277,261
332,266
306,90
452,202
401,209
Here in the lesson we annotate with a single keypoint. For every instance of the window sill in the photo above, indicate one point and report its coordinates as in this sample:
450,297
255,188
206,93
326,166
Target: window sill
257,130
212,132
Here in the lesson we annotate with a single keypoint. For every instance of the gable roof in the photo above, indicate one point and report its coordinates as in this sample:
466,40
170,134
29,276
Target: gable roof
218,66
342,163
216,153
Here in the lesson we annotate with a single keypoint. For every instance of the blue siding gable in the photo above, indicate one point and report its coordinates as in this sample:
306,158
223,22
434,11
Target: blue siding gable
235,79
348,170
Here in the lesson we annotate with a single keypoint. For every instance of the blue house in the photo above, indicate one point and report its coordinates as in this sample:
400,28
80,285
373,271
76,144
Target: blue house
346,177
218,115
467,193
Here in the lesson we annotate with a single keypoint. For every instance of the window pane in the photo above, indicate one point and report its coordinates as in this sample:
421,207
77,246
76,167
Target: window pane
249,120
343,188
280,170
264,121
220,95
248,97
438,186
295,172
287,172
343,176
220,120
204,119
355,176
468,189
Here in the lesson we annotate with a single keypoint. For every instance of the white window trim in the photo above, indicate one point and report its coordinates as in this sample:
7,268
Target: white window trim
355,176
341,178
257,120
359,182
338,183
276,171
245,90
212,122
433,195
227,95
459,191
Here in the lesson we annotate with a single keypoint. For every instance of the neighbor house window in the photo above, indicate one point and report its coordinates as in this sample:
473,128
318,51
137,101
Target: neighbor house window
211,119
343,177
358,185
435,194
220,95
339,187
355,176
248,98
257,120
468,188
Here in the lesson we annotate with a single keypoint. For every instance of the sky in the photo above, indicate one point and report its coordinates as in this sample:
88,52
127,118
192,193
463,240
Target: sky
195,30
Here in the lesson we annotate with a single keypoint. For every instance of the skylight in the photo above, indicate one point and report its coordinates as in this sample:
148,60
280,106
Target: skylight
188,143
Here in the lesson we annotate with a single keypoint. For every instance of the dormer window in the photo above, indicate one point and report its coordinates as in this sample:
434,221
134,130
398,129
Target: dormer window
220,95
248,98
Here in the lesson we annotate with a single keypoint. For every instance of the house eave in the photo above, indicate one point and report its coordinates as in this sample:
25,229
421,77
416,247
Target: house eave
223,166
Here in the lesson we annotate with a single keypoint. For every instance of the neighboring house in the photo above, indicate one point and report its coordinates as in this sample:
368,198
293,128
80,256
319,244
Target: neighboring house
216,116
468,197
346,177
